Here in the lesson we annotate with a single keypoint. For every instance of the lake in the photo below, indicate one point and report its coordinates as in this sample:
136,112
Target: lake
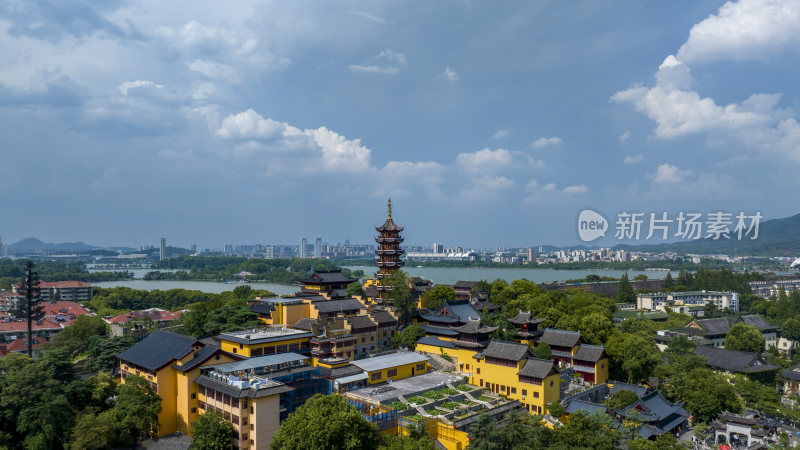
442,275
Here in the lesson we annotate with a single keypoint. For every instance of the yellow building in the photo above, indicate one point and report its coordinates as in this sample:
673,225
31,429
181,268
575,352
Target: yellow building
170,362
265,341
395,366
288,311
508,368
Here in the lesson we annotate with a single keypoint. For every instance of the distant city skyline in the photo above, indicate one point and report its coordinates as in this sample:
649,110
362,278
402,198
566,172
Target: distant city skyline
488,124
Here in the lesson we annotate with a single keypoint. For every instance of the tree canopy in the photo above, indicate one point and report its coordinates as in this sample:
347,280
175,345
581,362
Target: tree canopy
744,337
326,422
212,432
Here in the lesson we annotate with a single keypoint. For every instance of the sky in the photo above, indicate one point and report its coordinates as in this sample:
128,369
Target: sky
488,123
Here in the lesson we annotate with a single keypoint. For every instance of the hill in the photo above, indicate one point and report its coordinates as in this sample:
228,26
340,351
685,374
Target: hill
33,244
776,237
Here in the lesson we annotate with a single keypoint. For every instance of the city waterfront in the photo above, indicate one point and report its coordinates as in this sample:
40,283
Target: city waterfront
440,275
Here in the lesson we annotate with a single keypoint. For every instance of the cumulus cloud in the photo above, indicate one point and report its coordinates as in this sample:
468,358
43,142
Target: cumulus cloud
128,85
669,174
485,160
633,159
625,136
335,152
392,62
450,75
545,142
744,30
536,192
502,133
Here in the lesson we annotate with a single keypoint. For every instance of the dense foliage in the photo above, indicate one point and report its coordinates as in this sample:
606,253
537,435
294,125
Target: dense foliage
117,300
212,432
219,268
11,271
398,295
436,297
744,337
409,336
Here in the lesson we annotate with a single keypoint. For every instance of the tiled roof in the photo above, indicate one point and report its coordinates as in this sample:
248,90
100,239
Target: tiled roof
203,355
510,351
620,386
718,325
347,304
591,353
15,326
325,277
560,338
792,374
585,407
537,368
18,345
360,322
436,342
474,327
305,323
383,318
156,314
59,284
441,331
463,311
758,322
389,225
159,349
464,284
262,308
524,318
733,360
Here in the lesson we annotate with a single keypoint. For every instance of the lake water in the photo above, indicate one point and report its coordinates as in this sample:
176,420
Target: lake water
442,275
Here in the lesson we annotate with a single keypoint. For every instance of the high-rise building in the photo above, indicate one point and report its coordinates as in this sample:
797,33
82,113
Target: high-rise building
530,254
228,249
438,247
318,248
303,248
193,248
3,248
163,254
389,251
269,252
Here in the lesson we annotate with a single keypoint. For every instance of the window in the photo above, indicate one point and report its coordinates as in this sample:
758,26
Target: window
201,405
467,366
513,390
202,390
241,346
244,403
535,394
524,392
244,420
481,383
219,396
252,410
235,402
294,347
372,338
226,399
363,339
234,351
281,349
235,419
551,383
194,396
421,366
194,410
603,366
391,373
503,388
269,350
376,376
257,352
479,370
227,415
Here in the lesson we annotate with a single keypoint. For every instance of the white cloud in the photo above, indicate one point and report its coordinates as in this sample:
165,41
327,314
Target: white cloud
374,69
667,173
128,85
395,62
633,159
398,178
213,69
544,142
502,133
450,75
485,160
579,189
250,125
625,136
744,30
339,153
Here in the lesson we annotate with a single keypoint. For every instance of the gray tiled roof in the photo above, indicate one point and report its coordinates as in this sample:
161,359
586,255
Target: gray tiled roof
262,308
620,386
537,368
159,349
474,327
588,352
334,276
361,322
758,322
201,356
436,342
720,325
510,351
524,317
463,311
306,323
560,338
383,318
330,306
586,407
733,360
791,374
441,331
464,284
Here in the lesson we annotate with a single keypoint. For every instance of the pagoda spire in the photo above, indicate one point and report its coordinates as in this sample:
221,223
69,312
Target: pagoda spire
389,253
389,209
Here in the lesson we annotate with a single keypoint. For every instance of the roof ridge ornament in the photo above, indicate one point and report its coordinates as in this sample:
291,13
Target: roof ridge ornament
389,209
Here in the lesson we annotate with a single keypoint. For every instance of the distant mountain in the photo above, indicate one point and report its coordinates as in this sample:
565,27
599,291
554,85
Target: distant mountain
776,237
37,245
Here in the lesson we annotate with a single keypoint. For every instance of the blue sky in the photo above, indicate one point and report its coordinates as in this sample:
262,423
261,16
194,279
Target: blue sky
489,123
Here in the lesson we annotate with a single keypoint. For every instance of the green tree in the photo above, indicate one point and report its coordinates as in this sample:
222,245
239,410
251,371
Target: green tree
621,399
640,277
744,337
212,432
102,352
791,329
354,289
707,394
636,356
326,422
75,336
95,431
543,351
436,297
244,292
625,292
590,431
596,328
409,336
668,281
398,295
484,435
30,308
137,408
555,409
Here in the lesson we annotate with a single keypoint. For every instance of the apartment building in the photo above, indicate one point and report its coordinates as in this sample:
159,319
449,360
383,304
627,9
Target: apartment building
76,291
683,302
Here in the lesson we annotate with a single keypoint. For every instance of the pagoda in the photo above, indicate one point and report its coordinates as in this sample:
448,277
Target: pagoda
389,251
